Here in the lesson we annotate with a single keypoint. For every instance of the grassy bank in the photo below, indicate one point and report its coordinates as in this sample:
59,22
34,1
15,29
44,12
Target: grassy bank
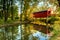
8,22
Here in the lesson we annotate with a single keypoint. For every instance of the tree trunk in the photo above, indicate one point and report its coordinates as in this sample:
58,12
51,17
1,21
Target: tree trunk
4,10
12,10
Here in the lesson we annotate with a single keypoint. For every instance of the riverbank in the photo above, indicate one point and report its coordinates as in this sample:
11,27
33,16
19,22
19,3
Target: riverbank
10,23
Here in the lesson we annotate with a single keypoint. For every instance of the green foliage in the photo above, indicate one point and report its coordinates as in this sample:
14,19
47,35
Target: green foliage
1,21
9,21
16,17
52,20
9,9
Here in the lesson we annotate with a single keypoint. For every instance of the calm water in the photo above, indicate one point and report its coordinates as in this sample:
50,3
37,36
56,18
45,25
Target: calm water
22,32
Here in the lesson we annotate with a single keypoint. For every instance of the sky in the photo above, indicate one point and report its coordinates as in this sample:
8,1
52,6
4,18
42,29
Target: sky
19,7
39,5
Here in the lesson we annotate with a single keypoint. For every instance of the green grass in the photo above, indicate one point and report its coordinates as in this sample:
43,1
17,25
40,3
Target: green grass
9,21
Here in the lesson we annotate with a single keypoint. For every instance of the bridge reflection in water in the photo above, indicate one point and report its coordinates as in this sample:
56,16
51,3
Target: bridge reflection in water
22,32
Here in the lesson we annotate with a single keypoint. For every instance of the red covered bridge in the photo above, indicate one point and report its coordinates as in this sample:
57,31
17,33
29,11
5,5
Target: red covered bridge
42,14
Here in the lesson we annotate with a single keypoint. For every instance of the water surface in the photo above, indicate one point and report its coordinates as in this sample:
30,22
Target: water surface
21,32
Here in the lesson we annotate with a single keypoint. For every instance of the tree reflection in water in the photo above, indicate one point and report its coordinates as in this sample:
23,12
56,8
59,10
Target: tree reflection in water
14,33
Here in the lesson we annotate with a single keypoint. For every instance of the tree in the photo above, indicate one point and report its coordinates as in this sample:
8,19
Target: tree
26,4
4,10
7,9
1,11
58,2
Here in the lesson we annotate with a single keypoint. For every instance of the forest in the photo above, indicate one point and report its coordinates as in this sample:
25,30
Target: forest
17,17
